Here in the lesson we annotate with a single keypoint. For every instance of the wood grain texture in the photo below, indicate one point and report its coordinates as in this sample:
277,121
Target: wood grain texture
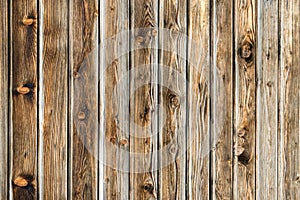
172,72
199,101
222,100
55,86
4,76
116,104
244,139
84,97
143,181
23,133
288,136
267,101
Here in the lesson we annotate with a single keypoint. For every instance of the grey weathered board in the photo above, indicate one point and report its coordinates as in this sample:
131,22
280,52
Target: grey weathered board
200,100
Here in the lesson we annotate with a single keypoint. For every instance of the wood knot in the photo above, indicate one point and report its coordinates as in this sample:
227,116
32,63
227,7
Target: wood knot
26,89
24,187
148,187
173,149
174,100
81,115
28,21
123,142
23,90
246,49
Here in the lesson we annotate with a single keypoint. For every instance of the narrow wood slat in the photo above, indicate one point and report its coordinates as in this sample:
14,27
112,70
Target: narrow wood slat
55,89
4,67
23,132
245,54
143,144
289,87
222,96
198,145
116,82
172,72
267,113
84,97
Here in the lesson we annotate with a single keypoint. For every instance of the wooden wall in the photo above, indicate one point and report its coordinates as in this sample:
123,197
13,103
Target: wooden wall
200,101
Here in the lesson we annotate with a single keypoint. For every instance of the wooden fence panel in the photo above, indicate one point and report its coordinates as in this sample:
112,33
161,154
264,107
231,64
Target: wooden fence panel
288,136
172,98
4,78
245,87
83,139
198,111
267,100
222,100
144,20
114,72
23,125
54,68
200,100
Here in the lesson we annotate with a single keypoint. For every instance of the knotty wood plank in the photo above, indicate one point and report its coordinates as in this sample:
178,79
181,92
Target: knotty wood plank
222,94
116,104
244,139
84,98
199,100
267,113
23,130
4,66
143,145
289,87
55,89
172,72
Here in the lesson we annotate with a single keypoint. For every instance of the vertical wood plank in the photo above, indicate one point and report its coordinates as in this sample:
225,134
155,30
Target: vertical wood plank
267,113
116,104
199,100
172,96
245,51
23,134
143,145
4,76
55,86
289,87
84,99
222,96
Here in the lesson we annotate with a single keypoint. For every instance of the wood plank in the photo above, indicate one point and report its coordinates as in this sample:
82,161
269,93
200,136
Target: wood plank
4,76
54,61
116,103
288,136
222,100
267,99
143,143
172,97
84,99
23,130
244,138
199,101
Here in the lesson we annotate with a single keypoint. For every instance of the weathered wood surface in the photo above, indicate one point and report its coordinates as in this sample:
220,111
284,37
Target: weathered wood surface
4,78
206,110
267,100
198,111
114,72
172,97
143,66
245,105
54,87
83,140
222,100
23,126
